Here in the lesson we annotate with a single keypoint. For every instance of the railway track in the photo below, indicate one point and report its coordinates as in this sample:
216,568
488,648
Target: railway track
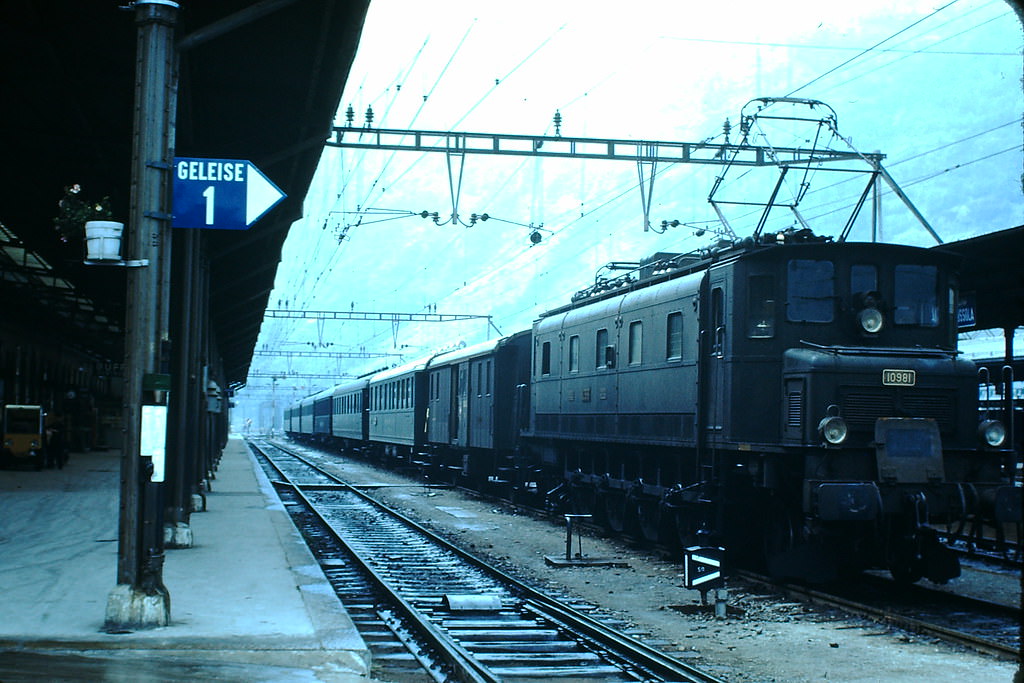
984,626
430,611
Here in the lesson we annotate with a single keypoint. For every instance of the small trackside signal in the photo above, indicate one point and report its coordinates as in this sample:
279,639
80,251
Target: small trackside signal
702,567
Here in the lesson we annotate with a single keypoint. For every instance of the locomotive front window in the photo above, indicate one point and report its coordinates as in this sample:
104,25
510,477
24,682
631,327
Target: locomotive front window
810,293
916,296
761,307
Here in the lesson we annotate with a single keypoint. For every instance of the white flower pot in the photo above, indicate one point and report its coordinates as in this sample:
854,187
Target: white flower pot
103,240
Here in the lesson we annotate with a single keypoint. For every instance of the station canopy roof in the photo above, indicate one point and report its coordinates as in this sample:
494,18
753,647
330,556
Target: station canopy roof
259,81
992,271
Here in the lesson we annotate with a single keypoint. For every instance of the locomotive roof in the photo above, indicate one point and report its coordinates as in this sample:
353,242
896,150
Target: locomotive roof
671,266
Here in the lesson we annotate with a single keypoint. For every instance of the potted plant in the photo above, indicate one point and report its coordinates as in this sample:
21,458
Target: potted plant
78,217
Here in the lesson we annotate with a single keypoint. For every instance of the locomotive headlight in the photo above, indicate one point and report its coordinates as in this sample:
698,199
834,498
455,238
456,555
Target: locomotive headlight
833,429
871,320
992,433
34,444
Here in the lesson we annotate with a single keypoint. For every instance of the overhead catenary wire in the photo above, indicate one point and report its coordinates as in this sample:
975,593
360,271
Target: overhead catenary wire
584,243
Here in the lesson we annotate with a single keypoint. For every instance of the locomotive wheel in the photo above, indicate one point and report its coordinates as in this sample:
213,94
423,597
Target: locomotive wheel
906,572
779,536
687,528
905,565
614,511
648,515
583,500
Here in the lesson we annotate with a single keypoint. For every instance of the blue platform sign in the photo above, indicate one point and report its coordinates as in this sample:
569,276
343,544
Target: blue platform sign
220,194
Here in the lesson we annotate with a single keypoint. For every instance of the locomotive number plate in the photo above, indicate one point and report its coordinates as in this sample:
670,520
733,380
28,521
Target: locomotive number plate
899,378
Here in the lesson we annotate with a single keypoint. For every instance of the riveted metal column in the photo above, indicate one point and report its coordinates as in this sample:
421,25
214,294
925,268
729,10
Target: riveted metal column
140,599
177,530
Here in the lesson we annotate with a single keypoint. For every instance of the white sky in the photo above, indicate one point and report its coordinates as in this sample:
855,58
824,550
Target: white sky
939,94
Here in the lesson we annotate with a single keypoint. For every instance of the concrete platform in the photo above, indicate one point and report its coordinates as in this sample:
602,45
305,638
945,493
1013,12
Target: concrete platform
248,601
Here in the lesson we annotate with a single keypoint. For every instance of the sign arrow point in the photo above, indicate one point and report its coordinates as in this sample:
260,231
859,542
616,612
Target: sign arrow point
261,195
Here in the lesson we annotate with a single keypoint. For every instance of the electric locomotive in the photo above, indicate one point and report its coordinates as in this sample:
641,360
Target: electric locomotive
798,401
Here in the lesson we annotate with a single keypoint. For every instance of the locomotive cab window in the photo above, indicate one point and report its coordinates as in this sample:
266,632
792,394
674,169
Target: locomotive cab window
810,291
761,307
915,297
545,358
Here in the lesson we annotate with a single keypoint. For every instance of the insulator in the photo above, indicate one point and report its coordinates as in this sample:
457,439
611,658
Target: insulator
558,123
350,115
369,116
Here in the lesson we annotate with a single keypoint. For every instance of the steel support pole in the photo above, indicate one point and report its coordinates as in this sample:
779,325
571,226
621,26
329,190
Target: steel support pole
140,599
178,531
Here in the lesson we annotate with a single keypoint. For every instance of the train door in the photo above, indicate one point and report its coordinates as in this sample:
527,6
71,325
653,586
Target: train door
481,409
460,410
454,412
716,390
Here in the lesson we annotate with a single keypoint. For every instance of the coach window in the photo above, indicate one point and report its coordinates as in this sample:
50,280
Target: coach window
574,353
674,336
487,378
916,296
761,307
600,360
636,342
479,379
810,292
545,358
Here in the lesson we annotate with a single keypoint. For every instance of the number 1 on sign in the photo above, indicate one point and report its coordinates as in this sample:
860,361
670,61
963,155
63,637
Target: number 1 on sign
208,193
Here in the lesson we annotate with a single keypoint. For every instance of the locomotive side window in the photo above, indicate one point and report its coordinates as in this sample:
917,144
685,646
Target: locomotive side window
761,307
810,292
600,360
545,358
636,342
674,336
574,353
916,296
